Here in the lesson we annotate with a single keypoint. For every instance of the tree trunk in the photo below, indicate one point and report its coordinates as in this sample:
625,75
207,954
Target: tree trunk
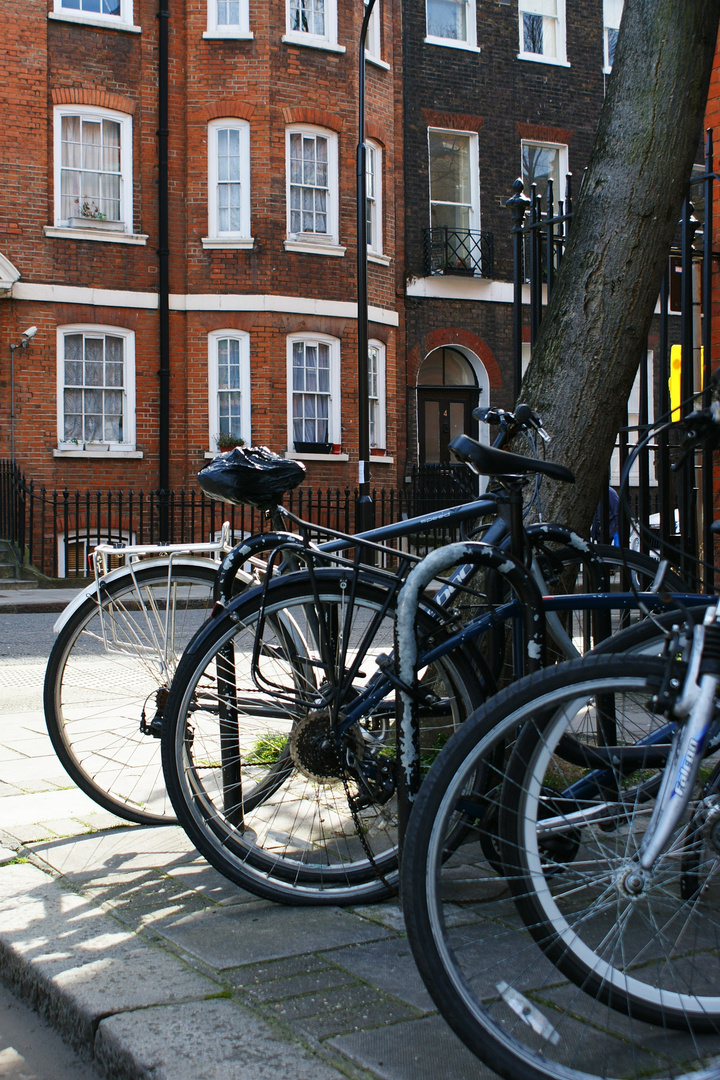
596,323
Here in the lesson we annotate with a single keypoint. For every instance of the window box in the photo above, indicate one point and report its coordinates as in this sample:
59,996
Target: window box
314,448
96,223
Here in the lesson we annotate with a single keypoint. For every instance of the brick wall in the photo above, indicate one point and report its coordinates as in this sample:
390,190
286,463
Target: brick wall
267,291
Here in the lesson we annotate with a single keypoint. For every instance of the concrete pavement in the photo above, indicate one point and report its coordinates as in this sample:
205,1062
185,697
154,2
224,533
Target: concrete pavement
153,965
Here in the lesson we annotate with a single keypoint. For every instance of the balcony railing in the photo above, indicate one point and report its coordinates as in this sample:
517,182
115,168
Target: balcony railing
459,251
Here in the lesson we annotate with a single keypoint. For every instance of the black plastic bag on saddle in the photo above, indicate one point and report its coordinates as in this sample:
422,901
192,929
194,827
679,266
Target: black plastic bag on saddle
252,475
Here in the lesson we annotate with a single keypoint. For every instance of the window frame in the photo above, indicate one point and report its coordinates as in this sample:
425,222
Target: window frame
469,43
243,237
373,41
563,166
375,154
381,398
124,19
328,40
128,443
214,339
334,403
94,113
241,29
559,58
474,166
331,237
611,21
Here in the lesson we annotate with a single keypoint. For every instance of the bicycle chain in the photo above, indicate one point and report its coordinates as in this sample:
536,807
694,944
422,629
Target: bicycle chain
358,828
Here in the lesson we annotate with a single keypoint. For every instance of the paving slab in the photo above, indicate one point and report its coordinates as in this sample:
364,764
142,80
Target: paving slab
265,931
389,965
424,1049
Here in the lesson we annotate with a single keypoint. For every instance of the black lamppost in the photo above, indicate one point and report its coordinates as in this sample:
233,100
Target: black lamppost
364,510
163,266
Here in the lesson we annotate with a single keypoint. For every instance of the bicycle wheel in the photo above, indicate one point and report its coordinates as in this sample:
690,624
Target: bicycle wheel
642,948
254,771
602,568
107,681
563,991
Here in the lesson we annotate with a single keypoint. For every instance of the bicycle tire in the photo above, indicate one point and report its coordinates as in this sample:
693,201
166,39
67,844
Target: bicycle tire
105,671
488,975
290,835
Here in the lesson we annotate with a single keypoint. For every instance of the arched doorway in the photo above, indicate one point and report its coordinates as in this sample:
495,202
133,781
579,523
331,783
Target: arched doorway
452,381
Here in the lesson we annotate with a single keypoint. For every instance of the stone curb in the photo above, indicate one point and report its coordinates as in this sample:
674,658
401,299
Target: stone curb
29,601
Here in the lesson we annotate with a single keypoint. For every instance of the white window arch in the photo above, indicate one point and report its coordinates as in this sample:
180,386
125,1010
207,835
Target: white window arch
95,387
312,185
228,18
228,386
229,181
377,395
314,422
93,168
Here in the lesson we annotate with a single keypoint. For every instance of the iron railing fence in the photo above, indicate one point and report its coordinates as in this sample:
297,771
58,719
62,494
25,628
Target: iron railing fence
675,504
56,530
459,251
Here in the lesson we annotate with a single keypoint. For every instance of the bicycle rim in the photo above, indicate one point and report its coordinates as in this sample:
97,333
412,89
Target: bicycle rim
109,672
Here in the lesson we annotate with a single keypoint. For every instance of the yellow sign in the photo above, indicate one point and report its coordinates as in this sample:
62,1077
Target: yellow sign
674,382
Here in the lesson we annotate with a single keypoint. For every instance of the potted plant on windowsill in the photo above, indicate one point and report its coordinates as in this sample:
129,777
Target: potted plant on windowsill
88,215
226,442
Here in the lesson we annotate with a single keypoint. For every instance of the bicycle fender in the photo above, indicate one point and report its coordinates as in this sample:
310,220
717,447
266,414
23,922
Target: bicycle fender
91,590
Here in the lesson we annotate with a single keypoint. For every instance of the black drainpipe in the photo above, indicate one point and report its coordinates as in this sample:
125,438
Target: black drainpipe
163,267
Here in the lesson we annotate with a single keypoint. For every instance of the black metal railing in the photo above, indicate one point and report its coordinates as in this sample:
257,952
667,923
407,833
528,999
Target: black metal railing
459,251
675,505
55,531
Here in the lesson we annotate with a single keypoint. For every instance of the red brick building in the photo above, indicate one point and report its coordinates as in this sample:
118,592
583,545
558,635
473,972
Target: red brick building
260,279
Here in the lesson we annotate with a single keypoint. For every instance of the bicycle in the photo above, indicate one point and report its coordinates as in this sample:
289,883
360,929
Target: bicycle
279,731
587,797
120,639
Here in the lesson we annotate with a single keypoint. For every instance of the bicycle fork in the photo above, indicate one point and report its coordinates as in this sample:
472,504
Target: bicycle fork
695,709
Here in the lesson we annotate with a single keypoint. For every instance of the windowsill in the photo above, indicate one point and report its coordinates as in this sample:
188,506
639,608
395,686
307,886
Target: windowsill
450,44
64,232
310,248
381,260
536,58
89,20
240,244
292,456
376,62
381,459
228,35
108,454
312,43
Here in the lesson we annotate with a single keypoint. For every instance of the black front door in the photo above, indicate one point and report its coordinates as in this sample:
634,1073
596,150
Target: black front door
443,414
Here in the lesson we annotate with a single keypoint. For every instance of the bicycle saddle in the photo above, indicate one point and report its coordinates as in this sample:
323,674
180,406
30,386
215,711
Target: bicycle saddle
489,461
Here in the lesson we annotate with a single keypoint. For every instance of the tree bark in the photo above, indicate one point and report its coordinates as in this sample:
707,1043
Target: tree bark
596,323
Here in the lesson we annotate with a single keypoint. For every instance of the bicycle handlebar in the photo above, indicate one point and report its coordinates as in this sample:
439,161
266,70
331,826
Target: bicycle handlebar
523,419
